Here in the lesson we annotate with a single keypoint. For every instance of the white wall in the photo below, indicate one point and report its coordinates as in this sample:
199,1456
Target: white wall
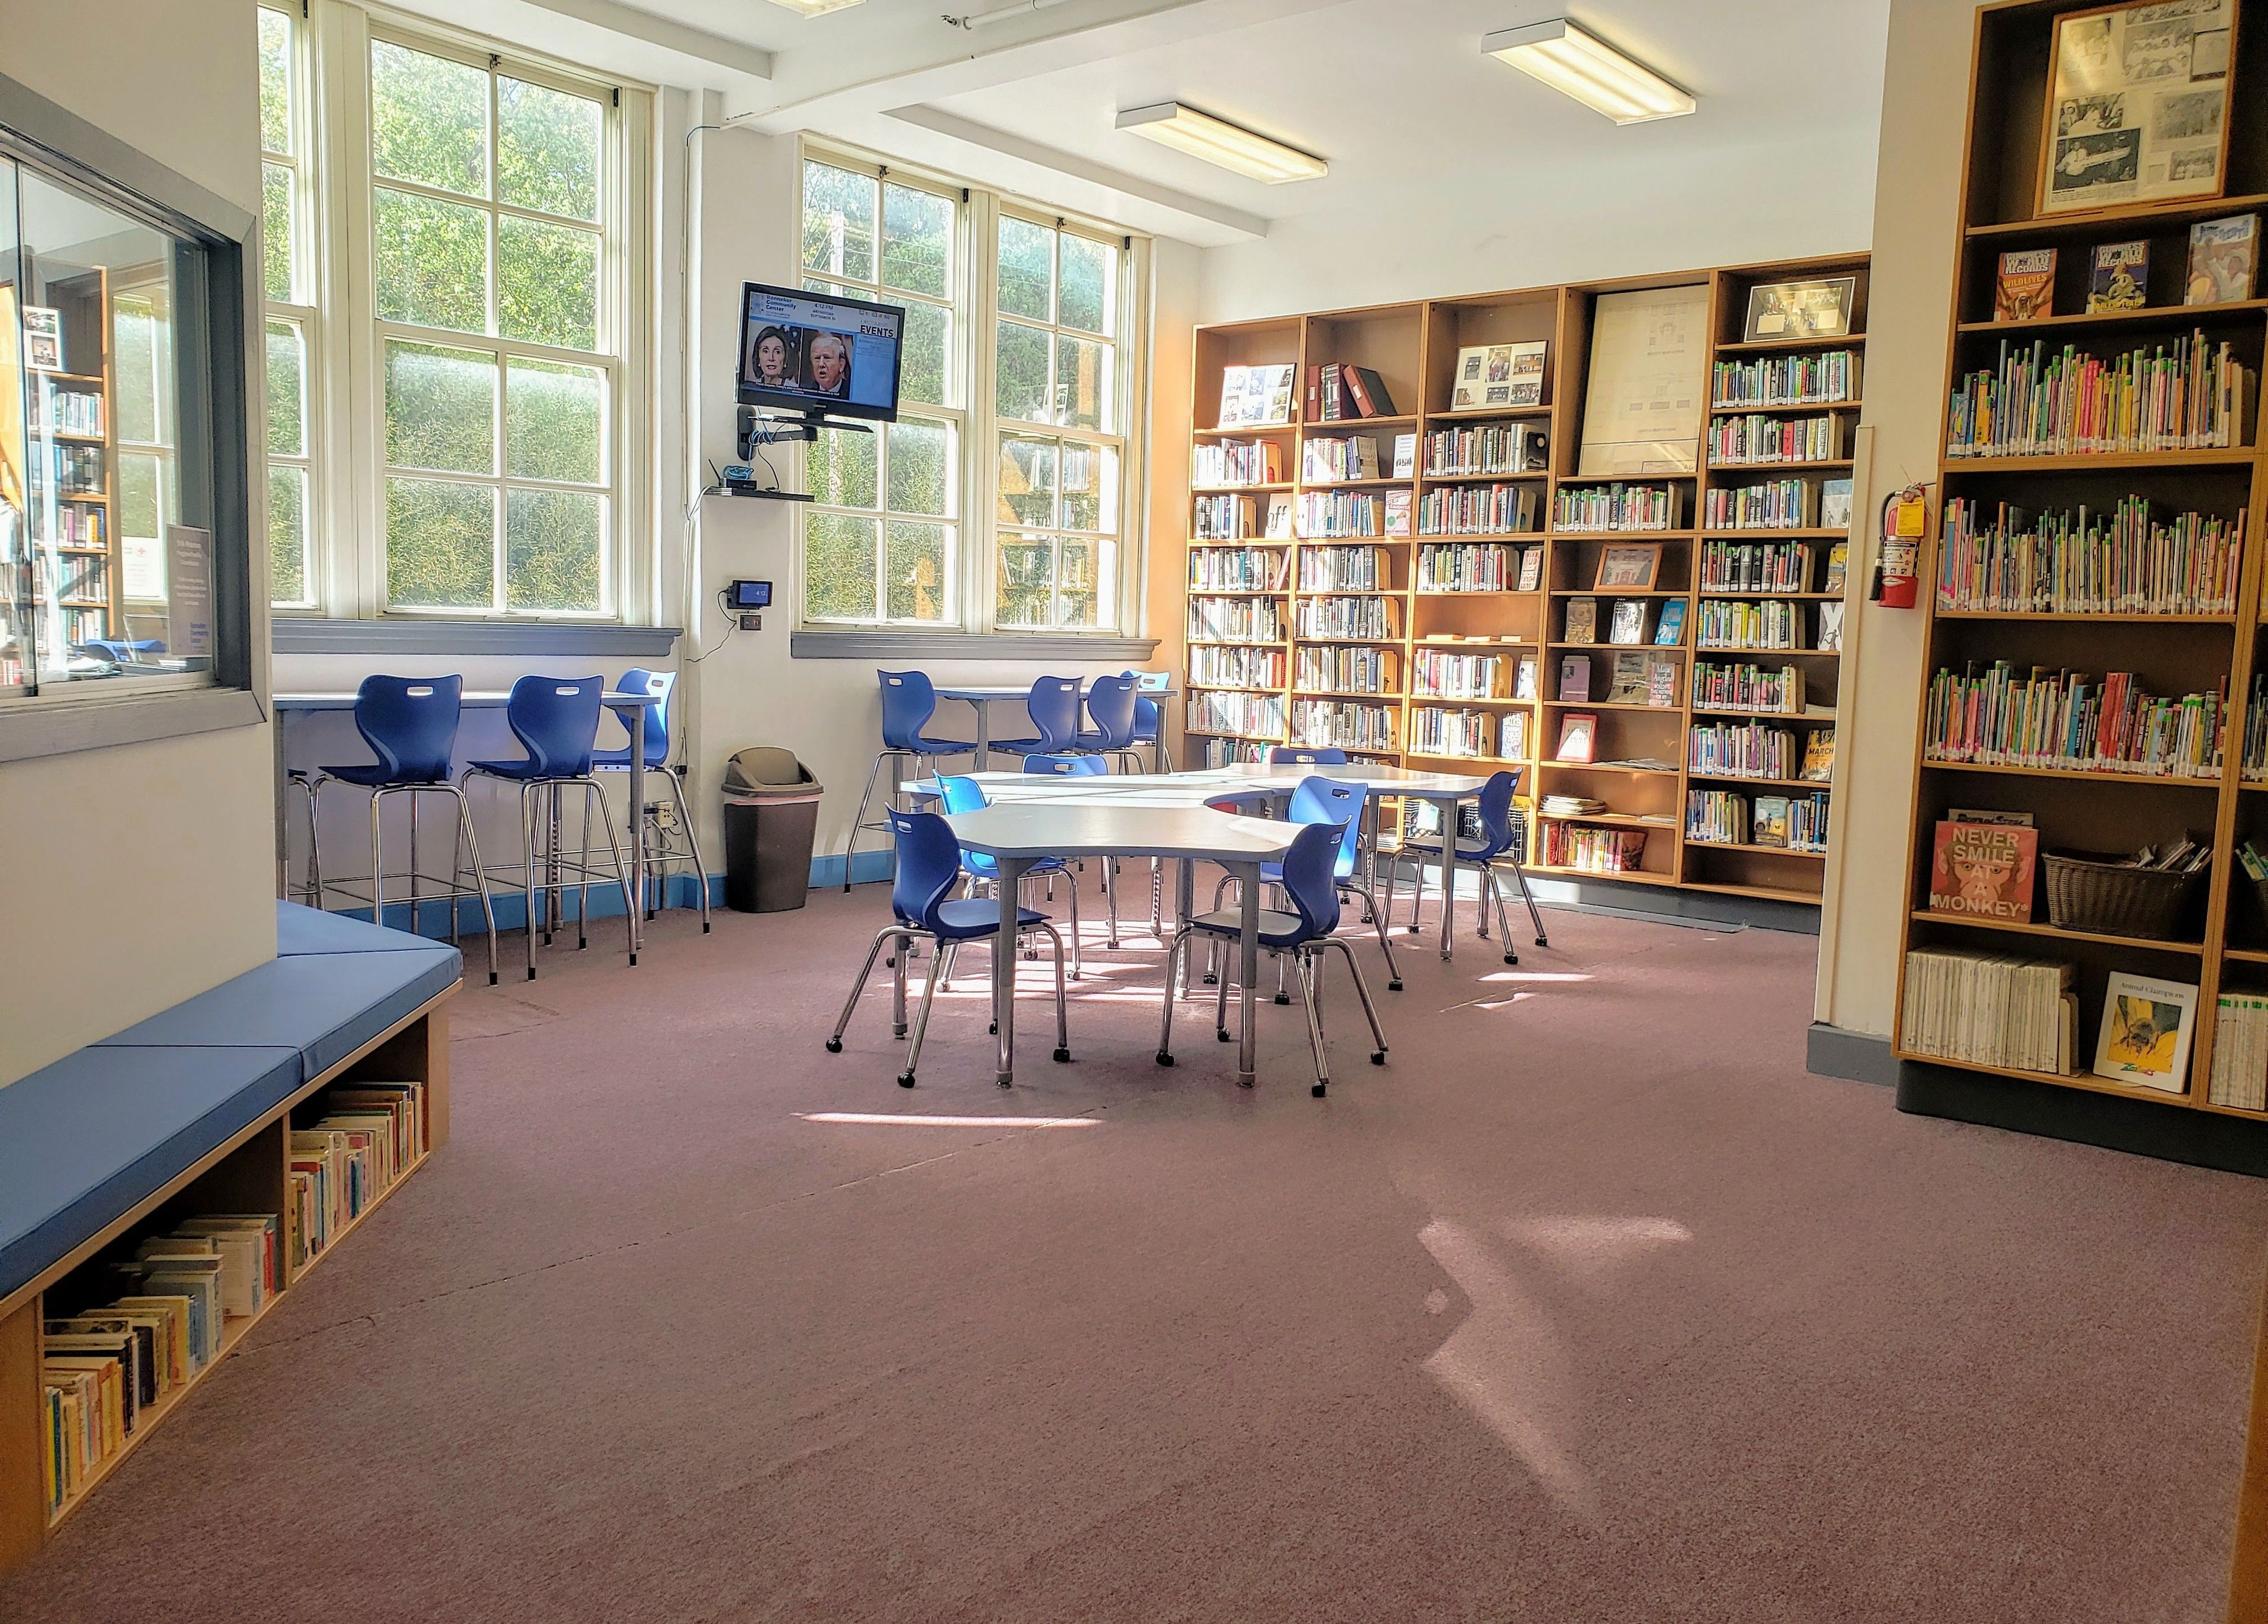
141,876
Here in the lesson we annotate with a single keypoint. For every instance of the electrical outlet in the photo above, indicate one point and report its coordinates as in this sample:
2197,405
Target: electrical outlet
752,622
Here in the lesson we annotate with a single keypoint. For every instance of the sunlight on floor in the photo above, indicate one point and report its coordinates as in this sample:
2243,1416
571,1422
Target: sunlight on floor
888,1119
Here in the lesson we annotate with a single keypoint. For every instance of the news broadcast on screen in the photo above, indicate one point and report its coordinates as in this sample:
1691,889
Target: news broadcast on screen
799,352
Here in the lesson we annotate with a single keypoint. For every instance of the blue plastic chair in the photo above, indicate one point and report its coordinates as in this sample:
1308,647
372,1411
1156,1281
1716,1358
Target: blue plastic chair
1327,800
410,725
1310,886
909,701
1499,841
929,864
556,720
1303,755
659,850
1054,706
962,795
1150,725
1110,707
1084,766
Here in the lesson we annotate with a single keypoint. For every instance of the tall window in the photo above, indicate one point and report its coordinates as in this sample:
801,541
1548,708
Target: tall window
284,141
1016,404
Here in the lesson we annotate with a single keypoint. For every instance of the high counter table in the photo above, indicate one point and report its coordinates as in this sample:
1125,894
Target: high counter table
631,707
982,696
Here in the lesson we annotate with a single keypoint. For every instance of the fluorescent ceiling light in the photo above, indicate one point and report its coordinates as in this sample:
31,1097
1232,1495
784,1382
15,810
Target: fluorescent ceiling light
1200,134
1588,69
816,8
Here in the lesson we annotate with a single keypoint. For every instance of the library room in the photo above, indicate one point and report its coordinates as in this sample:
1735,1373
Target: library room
1590,678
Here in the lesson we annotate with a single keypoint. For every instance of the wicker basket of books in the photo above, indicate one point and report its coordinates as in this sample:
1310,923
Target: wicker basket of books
2148,894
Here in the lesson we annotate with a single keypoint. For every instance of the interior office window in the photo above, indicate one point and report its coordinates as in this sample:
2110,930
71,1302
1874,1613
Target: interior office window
880,541
106,545
499,353
285,186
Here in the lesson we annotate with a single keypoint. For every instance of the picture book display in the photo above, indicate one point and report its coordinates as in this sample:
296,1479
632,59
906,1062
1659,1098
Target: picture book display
2138,105
1582,620
2024,289
1628,623
1982,870
1501,376
1629,687
2121,278
1632,565
1256,396
1575,676
1578,736
1669,631
2224,260
2147,1027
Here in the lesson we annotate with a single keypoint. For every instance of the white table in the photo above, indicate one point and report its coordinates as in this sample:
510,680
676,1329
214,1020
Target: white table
982,696
631,707
1017,835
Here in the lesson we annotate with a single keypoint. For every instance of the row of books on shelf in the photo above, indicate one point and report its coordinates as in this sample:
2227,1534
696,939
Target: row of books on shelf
66,470
1473,735
1590,850
1250,716
1348,668
1441,675
2188,395
1766,624
1236,462
2224,256
83,625
72,578
1478,509
1479,567
1630,621
67,411
1338,390
2240,1052
1486,448
1230,752
1733,818
1615,506
1237,568
2005,559
1746,441
79,524
1345,724
1236,667
1346,617
1758,749
1353,513
1234,619
1225,518
1821,379
1778,504
2066,720
1344,569
1767,567
1747,688
1356,457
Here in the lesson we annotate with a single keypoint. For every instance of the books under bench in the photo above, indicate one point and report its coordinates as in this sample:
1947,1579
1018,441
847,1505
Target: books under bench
1822,380
104,1369
2069,720
1728,817
2188,396
2004,559
1756,439
1479,567
1468,735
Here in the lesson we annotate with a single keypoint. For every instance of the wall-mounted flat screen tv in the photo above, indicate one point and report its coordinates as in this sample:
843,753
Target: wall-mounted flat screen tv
802,352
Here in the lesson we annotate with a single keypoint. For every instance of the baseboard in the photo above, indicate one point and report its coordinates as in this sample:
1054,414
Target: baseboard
2170,1133
1854,1056
1668,902
868,867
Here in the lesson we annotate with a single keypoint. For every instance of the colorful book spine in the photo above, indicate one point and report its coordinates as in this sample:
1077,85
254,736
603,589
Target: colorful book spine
2068,720
2007,560
1614,507
2186,396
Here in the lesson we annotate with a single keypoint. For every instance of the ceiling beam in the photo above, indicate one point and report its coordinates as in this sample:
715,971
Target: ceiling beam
739,59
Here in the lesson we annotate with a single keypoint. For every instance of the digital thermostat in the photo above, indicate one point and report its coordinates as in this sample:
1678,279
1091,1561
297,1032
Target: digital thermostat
750,595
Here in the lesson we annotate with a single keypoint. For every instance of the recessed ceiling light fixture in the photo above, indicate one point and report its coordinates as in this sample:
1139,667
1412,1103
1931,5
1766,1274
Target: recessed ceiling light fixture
816,8
1586,67
1217,141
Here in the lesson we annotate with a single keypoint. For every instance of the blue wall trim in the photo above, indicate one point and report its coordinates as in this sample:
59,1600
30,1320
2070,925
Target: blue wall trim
606,902
869,866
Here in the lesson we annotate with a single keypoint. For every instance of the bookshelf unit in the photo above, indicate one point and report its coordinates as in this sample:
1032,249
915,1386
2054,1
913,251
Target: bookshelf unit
2222,945
1430,697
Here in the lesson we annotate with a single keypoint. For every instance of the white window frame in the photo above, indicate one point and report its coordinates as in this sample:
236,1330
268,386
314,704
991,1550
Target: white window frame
346,386
977,521
306,262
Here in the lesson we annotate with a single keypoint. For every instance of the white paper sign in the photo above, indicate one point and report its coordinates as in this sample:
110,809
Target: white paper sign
189,608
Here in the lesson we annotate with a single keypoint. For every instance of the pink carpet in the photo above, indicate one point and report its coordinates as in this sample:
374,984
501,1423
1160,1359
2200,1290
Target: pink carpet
1591,1306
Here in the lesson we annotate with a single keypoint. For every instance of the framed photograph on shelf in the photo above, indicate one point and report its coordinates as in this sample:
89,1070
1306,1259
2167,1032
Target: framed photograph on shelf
1801,309
1578,736
2138,105
44,338
1632,567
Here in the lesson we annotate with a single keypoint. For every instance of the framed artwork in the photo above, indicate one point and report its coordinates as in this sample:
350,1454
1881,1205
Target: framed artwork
1818,309
2138,105
44,338
1579,734
1630,565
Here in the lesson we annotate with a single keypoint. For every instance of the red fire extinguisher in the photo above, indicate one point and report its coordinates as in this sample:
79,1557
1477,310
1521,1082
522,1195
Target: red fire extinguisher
1897,558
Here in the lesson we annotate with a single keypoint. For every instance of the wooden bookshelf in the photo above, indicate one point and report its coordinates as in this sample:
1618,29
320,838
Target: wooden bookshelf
1413,348
2224,947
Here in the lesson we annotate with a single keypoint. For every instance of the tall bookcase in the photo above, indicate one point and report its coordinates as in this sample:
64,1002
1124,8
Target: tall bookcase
1255,647
2222,946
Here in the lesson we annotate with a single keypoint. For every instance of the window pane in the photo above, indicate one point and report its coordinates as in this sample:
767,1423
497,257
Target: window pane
287,534
916,240
547,284
440,544
838,222
553,420
276,234
440,408
551,549
1090,284
1027,269
287,392
1028,481
1025,581
547,149
428,120
1090,488
137,329
1084,386
274,81
838,565
919,555
1021,372
433,262
139,502
921,467
924,361
1081,572
841,469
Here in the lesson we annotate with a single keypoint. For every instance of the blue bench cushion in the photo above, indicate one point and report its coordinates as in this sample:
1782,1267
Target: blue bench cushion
84,1140
324,1005
303,930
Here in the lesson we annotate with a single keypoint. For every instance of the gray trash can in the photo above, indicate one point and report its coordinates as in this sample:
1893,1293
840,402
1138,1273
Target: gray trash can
771,816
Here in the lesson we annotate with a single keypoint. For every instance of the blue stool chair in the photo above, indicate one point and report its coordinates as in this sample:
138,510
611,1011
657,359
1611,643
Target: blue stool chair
1054,706
1327,800
960,795
1499,842
929,864
659,848
908,700
1110,707
556,720
1085,766
410,725
1301,755
1305,933
1150,725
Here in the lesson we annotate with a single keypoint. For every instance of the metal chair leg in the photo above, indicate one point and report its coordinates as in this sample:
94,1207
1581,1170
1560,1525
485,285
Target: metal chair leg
531,800
1535,916
1492,892
1385,937
1110,899
1362,991
377,863
692,840
858,819
591,790
582,881
920,1019
1221,1005
472,842
1063,1008
1416,889
1078,963
843,1021
1311,977
1174,953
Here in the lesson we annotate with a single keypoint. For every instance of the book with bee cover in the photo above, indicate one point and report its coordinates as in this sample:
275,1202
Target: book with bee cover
2148,1026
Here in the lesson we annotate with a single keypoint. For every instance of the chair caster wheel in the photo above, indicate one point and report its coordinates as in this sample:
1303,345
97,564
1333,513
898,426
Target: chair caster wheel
889,964
1212,981
633,961
1378,1057
1320,1090
993,1031
1223,1036
1410,930
1394,986
531,974
1283,997
705,928
492,978
1540,941
1164,1059
835,1045
905,1079
1063,1057
1512,958
898,1031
